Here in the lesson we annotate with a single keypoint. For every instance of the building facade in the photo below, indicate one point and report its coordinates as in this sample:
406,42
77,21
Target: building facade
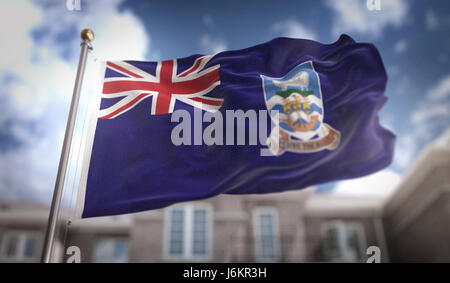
298,226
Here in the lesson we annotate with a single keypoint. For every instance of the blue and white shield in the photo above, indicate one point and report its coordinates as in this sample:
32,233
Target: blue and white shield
296,107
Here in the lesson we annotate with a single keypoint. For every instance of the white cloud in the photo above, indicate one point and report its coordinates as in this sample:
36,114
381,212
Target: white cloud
431,20
400,46
39,57
431,113
353,16
380,184
16,45
292,28
119,35
434,105
405,150
441,91
388,121
424,114
212,45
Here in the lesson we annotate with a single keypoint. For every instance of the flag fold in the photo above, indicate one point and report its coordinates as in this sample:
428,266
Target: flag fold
283,115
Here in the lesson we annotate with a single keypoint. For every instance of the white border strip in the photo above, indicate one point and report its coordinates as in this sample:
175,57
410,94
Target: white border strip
93,112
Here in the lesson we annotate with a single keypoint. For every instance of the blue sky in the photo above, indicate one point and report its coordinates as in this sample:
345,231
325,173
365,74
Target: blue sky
41,45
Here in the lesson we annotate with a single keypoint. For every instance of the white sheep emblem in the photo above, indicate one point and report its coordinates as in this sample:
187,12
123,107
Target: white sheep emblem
300,80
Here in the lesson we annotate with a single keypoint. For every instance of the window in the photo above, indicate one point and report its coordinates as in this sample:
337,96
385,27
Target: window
189,232
20,246
266,234
176,232
343,241
113,250
199,233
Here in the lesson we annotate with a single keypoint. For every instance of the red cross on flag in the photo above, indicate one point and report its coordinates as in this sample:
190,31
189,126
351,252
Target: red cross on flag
165,88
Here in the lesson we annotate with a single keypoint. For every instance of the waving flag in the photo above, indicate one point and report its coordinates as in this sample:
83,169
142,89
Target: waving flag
282,115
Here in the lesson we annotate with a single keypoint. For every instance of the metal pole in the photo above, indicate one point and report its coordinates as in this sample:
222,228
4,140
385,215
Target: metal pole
87,36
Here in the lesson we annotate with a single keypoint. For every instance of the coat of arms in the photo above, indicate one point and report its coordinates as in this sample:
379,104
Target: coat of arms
297,99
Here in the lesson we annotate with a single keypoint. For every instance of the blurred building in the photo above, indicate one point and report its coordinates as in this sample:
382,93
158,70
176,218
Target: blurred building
299,226
417,216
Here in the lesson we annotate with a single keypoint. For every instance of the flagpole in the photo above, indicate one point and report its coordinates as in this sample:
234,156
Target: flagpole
87,36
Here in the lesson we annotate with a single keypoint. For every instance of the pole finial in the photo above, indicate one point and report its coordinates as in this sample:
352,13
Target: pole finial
87,35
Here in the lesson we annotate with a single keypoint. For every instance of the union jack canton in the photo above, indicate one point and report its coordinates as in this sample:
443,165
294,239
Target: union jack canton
166,87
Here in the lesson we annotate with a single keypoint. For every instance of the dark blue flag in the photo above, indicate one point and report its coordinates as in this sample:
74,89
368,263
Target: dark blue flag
282,115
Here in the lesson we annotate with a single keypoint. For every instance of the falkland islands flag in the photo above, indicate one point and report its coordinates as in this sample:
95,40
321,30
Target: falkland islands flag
282,115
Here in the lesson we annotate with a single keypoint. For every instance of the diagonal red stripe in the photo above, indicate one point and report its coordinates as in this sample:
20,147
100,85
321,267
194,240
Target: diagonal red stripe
126,106
123,70
207,101
196,85
194,68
